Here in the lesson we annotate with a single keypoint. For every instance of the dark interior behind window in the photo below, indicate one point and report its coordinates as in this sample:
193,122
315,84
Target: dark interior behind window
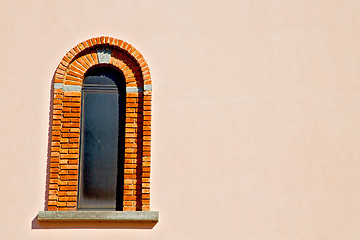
102,140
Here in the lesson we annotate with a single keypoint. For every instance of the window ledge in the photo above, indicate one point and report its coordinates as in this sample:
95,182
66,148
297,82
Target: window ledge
102,216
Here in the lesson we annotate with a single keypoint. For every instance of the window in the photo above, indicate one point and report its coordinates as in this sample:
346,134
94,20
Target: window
102,140
101,130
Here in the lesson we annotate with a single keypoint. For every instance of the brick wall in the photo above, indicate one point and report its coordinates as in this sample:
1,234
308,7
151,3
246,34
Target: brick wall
66,110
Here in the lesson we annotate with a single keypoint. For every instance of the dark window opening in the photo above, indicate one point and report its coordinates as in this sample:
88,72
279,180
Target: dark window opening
102,140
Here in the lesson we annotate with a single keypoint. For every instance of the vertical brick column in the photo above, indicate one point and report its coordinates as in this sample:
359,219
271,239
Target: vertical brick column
69,156
147,135
146,152
55,150
133,153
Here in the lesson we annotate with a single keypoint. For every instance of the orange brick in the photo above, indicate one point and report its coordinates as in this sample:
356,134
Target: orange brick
54,165
64,120
76,125
72,104
71,115
73,162
69,166
72,183
68,177
130,165
77,130
146,196
63,172
146,208
148,138
53,192
63,161
56,122
66,109
61,204
52,208
71,151
71,204
72,94
54,175
130,181
71,193
69,156
62,183
145,190
52,197
66,135
131,155
55,143
129,161
54,170
55,149
130,145
52,203
129,208
73,171
75,109
130,176
131,150
74,140
66,199
128,203
67,208
58,91
130,198
66,188
145,180
55,154
128,192
62,193
131,187
72,145
75,120
130,171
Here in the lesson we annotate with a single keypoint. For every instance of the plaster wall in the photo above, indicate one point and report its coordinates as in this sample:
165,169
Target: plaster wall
256,113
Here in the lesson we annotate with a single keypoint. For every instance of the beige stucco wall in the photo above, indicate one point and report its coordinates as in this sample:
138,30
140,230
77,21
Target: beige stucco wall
256,122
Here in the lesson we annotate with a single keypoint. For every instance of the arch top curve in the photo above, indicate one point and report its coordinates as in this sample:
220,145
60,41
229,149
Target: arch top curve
103,50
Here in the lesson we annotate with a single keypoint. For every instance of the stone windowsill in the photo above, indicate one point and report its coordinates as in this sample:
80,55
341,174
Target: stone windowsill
103,216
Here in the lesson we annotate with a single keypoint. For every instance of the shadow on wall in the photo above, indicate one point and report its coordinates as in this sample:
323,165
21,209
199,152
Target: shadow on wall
36,224
48,160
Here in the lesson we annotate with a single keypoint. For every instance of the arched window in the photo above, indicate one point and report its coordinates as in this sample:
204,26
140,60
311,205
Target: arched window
101,132
102,140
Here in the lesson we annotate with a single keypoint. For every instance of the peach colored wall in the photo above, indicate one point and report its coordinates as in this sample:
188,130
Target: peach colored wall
256,114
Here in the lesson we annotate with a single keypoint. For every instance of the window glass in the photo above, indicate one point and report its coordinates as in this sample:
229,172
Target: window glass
102,140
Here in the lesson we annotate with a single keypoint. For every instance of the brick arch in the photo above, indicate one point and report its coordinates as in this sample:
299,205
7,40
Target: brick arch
68,80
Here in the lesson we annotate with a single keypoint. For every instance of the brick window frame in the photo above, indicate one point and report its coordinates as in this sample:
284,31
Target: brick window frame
66,114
